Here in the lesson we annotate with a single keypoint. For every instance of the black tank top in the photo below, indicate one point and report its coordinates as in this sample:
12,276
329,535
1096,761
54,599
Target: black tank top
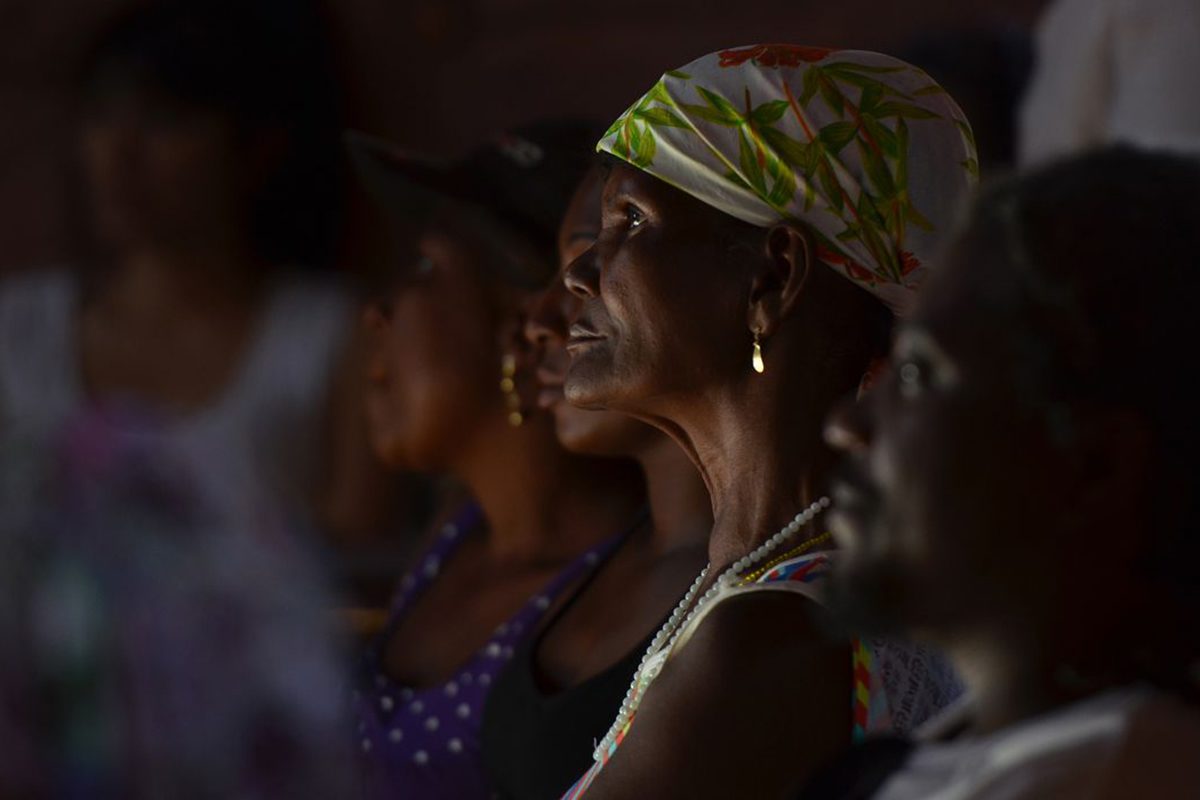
536,745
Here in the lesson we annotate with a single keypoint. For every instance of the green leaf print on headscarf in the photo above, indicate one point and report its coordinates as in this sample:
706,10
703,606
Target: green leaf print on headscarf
867,151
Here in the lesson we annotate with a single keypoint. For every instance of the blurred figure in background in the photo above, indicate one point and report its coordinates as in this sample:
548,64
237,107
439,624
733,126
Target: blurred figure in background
1023,491
149,648
1113,71
985,70
451,385
192,317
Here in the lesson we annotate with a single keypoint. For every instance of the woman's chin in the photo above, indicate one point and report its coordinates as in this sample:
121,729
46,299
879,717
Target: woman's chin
590,382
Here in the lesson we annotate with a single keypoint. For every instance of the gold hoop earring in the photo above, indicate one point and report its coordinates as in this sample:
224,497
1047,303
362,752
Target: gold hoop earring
508,385
756,356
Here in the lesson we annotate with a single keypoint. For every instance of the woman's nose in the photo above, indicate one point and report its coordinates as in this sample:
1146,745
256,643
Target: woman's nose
847,428
546,321
582,276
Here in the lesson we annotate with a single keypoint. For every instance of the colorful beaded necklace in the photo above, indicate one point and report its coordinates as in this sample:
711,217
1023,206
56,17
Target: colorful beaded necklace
662,643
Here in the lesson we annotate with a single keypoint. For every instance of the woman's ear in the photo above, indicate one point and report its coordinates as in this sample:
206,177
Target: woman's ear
780,277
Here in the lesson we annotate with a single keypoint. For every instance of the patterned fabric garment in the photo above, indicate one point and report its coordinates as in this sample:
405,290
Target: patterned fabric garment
896,686
870,153
425,743
250,452
150,647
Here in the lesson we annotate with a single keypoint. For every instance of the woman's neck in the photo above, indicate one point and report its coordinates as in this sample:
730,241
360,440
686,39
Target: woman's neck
1027,658
680,507
1008,678
542,504
761,457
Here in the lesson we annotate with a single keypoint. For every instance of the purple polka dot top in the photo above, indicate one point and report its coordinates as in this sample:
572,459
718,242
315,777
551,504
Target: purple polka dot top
425,743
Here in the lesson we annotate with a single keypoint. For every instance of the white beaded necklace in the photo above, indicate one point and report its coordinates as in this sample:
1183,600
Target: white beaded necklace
660,646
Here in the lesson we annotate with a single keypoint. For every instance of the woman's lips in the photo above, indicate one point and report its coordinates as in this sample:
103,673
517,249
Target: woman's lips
551,375
580,336
551,392
855,508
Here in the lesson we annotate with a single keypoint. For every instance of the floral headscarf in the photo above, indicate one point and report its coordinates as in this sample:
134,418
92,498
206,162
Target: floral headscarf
868,151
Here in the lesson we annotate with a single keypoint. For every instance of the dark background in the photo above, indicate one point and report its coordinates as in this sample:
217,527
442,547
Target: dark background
436,75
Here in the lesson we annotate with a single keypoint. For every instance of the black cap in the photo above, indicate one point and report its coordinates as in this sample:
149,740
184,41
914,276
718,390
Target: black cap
524,178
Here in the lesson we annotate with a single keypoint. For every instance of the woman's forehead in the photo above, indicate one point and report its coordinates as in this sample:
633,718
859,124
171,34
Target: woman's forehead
620,178
625,180
967,305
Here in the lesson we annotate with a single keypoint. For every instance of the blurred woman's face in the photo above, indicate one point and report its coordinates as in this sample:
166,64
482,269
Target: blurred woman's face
947,502
604,433
158,171
434,353
663,306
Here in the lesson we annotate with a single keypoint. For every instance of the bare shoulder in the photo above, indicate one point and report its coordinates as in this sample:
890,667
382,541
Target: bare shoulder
760,683
750,612
762,648
759,629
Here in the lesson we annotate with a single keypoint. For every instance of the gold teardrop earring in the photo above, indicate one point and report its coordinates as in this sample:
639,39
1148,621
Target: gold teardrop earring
756,356
508,385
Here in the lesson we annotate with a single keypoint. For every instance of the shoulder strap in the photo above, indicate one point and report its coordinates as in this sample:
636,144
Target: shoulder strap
585,564
428,565
600,556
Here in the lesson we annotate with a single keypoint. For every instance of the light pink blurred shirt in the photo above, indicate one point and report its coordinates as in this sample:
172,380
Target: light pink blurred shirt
1112,71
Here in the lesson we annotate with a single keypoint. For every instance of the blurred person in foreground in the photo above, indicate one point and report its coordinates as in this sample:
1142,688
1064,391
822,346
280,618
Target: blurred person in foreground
191,316
1022,490
451,391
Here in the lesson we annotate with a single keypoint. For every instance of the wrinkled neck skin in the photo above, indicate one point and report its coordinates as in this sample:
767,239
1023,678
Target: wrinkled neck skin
757,444
542,503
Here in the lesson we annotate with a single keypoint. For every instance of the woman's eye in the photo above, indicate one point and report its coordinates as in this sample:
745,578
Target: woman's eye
634,216
913,378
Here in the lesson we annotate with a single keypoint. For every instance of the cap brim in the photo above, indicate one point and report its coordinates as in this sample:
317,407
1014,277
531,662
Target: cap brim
400,181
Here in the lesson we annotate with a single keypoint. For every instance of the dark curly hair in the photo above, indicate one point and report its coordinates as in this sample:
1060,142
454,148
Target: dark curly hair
265,65
1106,252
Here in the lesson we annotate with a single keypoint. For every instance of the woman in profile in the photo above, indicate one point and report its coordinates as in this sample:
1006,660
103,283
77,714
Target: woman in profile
558,694
451,392
766,212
